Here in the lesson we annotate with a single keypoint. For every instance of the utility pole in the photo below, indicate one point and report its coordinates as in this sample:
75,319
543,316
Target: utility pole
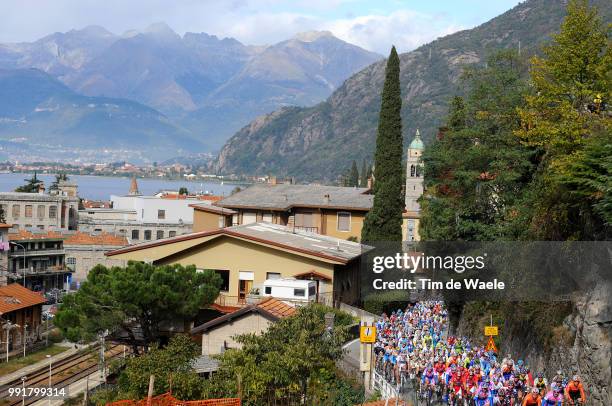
25,338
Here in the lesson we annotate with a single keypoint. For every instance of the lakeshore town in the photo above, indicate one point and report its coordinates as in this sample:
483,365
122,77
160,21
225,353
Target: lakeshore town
275,245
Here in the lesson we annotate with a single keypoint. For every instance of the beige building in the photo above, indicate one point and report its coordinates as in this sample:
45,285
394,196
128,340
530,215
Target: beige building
247,255
328,210
40,210
414,190
86,250
219,334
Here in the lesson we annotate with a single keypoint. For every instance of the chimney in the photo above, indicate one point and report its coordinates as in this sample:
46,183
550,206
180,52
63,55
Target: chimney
41,188
326,198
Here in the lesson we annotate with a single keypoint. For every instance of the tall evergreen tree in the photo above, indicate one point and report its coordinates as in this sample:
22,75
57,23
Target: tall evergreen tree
363,176
384,221
32,185
354,175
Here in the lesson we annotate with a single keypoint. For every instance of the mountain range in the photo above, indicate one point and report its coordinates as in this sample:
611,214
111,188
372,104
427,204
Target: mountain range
319,142
200,86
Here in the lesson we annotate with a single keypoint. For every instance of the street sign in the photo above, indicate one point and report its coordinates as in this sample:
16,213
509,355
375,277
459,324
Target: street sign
491,345
490,331
367,334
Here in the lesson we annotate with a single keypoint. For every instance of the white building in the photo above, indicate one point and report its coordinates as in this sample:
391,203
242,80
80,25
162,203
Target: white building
141,218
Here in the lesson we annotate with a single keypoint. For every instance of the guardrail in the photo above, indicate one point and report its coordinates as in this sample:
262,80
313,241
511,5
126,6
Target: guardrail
386,390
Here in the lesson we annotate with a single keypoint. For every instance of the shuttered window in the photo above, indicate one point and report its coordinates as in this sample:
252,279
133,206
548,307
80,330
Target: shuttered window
344,221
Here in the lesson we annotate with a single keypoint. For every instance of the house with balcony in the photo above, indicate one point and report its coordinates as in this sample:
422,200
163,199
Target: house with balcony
328,210
36,258
20,317
247,255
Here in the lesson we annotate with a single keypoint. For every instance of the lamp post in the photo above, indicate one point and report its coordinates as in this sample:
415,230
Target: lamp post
8,326
49,358
23,380
25,338
24,260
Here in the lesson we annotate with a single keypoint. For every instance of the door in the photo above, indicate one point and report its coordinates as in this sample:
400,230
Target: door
244,287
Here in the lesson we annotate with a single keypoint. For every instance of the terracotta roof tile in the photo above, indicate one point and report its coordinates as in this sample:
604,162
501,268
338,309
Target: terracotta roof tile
14,297
81,238
276,307
29,235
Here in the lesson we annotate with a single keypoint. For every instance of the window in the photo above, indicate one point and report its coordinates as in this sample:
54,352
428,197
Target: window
40,227
171,233
71,261
97,230
249,217
40,211
344,221
225,275
221,223
160,234
147,234
273,275
16,210
28,210
122,232
412,171
312,290
267,217
52,212
135,235
304,219
161,214
299,292
268,290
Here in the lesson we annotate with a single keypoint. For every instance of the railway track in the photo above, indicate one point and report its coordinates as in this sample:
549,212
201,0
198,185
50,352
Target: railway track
64,372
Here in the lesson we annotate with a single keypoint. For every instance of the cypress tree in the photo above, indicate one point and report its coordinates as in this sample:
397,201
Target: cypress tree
354,175
384,221
363,179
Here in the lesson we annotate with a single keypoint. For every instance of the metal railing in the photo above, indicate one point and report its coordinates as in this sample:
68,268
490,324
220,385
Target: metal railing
386,390
307,229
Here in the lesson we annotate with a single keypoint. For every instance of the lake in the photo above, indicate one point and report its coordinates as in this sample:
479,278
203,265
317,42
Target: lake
102,187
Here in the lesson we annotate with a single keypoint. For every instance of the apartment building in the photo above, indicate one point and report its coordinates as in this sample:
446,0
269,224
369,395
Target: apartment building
328,210
40,210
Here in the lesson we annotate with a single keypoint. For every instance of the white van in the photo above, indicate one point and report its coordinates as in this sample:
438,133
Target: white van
291,289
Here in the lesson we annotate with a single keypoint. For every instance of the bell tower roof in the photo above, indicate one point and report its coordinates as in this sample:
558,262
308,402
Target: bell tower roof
417,142
134,187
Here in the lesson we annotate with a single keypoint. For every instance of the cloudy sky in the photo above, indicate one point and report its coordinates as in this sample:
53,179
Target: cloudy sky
371,24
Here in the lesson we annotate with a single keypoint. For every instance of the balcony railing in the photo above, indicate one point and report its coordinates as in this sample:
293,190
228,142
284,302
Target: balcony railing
308,229
42,270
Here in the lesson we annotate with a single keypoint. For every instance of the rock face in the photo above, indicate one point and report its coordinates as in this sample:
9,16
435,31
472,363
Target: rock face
585,348
319,142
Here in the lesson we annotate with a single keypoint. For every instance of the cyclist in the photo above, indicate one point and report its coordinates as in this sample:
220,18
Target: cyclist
540,383
533,398
483,396
553,398
574,391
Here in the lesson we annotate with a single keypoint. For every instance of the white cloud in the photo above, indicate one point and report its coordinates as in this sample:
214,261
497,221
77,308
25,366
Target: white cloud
405,29
256,22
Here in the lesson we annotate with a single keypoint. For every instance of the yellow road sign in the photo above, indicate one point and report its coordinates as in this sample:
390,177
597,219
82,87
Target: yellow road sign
491,345
367,334
491,331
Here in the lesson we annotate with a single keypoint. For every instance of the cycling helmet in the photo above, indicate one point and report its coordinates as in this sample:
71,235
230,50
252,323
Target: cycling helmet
520,362
534,390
